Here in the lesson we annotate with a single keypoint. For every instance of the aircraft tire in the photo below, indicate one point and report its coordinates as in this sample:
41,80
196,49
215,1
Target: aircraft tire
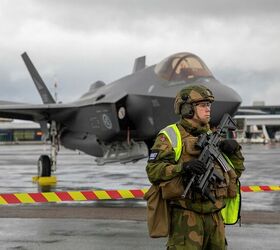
44,166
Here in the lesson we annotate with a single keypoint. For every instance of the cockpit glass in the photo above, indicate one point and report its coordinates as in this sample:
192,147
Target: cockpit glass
182,66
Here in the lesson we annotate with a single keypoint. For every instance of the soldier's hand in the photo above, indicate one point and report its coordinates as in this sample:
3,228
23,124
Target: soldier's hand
194,166
229,146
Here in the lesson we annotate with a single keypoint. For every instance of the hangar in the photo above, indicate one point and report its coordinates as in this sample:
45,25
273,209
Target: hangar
19,131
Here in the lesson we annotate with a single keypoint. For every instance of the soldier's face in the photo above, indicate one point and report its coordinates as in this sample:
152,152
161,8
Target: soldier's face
202,112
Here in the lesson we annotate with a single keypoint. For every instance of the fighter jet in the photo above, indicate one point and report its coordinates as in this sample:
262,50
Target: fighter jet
119,121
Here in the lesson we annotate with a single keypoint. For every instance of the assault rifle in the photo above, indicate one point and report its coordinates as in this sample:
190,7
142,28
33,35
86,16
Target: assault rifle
209,144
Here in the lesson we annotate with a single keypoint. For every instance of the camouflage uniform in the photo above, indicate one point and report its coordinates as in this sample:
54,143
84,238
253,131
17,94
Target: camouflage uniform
196,223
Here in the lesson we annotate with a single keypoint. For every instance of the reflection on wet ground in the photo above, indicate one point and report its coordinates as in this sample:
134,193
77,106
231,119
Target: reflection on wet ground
77,171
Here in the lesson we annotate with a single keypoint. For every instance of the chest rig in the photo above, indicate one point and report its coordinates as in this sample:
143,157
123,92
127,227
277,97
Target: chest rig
183,144
189,152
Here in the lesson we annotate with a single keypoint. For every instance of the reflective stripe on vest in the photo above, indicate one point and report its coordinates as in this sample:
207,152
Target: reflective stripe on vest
174,136
231,212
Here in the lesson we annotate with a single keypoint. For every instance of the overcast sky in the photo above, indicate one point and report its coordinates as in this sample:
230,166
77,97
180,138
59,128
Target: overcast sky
76,43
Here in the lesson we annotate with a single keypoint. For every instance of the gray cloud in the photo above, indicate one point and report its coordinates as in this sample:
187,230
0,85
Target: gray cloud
79,42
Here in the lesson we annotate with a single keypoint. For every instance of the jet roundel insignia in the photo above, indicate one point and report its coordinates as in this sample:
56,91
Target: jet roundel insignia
121,113
107,121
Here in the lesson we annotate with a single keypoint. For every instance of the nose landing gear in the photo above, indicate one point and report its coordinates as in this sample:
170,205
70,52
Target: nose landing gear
47,164
44,166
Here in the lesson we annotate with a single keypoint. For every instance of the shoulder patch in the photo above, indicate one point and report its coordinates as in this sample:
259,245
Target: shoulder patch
162,138
153,155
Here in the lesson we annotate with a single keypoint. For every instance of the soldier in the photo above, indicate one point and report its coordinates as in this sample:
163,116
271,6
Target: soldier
196,222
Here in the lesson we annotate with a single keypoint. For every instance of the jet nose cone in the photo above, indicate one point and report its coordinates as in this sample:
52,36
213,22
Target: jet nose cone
227,100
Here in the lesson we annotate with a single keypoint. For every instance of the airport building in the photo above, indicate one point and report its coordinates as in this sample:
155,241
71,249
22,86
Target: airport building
258,123
19,131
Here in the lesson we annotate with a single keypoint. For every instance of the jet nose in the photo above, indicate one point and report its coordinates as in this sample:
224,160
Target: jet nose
227,100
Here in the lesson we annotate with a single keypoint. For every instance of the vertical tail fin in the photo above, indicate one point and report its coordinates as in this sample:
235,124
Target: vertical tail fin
139,63
39,83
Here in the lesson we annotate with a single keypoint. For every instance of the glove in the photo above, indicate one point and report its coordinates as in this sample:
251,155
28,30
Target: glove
229,146
194,166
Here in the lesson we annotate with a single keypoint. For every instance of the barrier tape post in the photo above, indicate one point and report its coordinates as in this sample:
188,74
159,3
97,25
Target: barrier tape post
92,195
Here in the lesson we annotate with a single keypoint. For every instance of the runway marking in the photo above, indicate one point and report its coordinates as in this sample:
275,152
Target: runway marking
260,188
10,198
2,201
51,197
25,198
91,195
76,195
126,193
102,195
38,197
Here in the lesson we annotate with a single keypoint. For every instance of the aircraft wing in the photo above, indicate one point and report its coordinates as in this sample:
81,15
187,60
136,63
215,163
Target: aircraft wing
36,112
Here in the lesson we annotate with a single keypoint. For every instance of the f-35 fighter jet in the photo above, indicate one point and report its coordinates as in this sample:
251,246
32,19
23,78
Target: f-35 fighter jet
119,121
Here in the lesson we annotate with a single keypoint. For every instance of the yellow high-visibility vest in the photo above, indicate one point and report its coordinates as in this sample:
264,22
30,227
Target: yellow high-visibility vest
231,212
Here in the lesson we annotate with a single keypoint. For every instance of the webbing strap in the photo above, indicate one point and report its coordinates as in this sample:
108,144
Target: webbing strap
228,160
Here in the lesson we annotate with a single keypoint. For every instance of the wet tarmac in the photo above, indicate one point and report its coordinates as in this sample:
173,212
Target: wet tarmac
118,235
79,172
75,171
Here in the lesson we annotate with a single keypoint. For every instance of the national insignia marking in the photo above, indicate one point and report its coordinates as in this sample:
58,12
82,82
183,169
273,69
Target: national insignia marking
162,138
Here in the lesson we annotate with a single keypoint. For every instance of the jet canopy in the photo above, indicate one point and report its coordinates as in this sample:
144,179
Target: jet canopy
182,66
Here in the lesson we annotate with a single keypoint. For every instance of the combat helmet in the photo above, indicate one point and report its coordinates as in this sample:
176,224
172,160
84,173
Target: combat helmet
188,96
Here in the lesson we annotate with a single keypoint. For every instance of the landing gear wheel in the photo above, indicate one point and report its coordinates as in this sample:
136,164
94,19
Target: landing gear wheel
44,166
